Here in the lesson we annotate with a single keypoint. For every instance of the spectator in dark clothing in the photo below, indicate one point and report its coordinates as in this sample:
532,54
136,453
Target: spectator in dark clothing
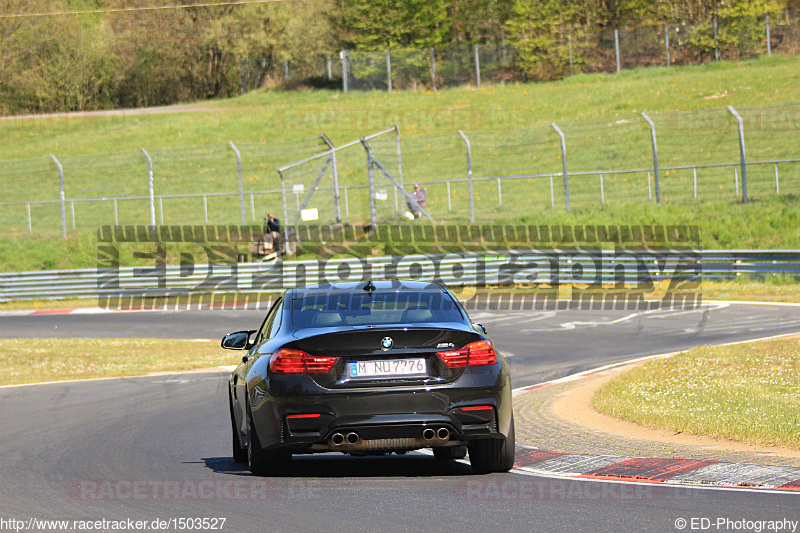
273,224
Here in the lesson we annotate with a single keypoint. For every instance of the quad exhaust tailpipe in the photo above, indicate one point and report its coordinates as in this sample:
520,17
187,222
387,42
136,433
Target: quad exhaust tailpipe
354,442
440,434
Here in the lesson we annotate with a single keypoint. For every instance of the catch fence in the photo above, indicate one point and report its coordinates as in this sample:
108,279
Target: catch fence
481,176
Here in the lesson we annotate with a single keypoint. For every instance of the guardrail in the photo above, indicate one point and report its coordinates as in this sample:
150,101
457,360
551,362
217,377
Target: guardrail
594,267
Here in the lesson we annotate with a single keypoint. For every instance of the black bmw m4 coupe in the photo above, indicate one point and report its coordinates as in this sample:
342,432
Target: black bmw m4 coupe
369,369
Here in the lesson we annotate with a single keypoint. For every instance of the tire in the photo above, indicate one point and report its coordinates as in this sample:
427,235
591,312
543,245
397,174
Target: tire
239,451
263,462
493,455
450,453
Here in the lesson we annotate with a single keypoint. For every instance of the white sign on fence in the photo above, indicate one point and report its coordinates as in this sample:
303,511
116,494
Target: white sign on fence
298,188
382,194
307,215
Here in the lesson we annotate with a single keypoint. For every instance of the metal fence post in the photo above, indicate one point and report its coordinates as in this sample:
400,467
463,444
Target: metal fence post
285,212
30,225
433,67
563,161
655,155
777,190
161,208
336,200
241,185
499,192
63,198
399,163
694,180
469,177
330,69
116,213
72,207
389,70
477,66
244,79
740,121
769,44
716,40
205,208
569,43
449,201
373,215
150,189
616,47
666,39
286,69
602,191
343,55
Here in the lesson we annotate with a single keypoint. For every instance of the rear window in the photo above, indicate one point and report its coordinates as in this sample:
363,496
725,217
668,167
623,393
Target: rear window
332,310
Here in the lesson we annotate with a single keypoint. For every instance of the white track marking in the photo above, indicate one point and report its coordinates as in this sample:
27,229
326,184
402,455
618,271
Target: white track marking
219,369
576,376
649,314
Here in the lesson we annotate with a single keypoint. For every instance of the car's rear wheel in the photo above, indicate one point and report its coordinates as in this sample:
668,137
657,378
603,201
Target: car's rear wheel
450,452
239,451
260,461
493,455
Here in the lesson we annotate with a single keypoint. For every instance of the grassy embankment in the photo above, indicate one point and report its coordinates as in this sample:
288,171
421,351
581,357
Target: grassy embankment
746,392
258,122
265,117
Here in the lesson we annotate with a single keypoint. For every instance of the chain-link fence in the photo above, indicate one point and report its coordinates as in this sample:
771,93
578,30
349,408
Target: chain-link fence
192,185
594,49
473,175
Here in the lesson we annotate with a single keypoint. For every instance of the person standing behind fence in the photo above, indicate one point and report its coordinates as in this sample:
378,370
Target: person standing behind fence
273,224
273,232
419,196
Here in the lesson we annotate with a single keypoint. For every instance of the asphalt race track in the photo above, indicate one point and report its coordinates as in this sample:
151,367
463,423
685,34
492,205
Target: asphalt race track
542,345
158,447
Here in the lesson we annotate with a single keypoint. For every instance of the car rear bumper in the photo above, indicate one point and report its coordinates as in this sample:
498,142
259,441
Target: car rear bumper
387,420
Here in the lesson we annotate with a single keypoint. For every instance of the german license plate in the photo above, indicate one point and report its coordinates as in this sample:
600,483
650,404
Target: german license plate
392,367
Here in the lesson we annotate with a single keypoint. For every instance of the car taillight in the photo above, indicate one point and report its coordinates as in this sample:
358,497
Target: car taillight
291,361
477,408
478,353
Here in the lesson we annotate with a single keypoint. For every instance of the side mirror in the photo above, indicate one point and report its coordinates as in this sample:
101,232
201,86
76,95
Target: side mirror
237,341
480,328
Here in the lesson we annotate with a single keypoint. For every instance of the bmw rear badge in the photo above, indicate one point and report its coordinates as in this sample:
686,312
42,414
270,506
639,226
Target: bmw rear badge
386,343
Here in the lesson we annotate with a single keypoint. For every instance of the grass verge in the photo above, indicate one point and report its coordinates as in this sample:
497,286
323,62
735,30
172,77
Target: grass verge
41,360
762,224
746,392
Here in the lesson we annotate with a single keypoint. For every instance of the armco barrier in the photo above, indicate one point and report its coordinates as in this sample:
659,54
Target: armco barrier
592,267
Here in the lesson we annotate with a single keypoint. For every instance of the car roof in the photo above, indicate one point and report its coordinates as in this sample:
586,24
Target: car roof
359,288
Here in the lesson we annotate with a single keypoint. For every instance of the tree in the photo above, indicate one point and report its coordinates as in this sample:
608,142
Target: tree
55,63
379,24
538,30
